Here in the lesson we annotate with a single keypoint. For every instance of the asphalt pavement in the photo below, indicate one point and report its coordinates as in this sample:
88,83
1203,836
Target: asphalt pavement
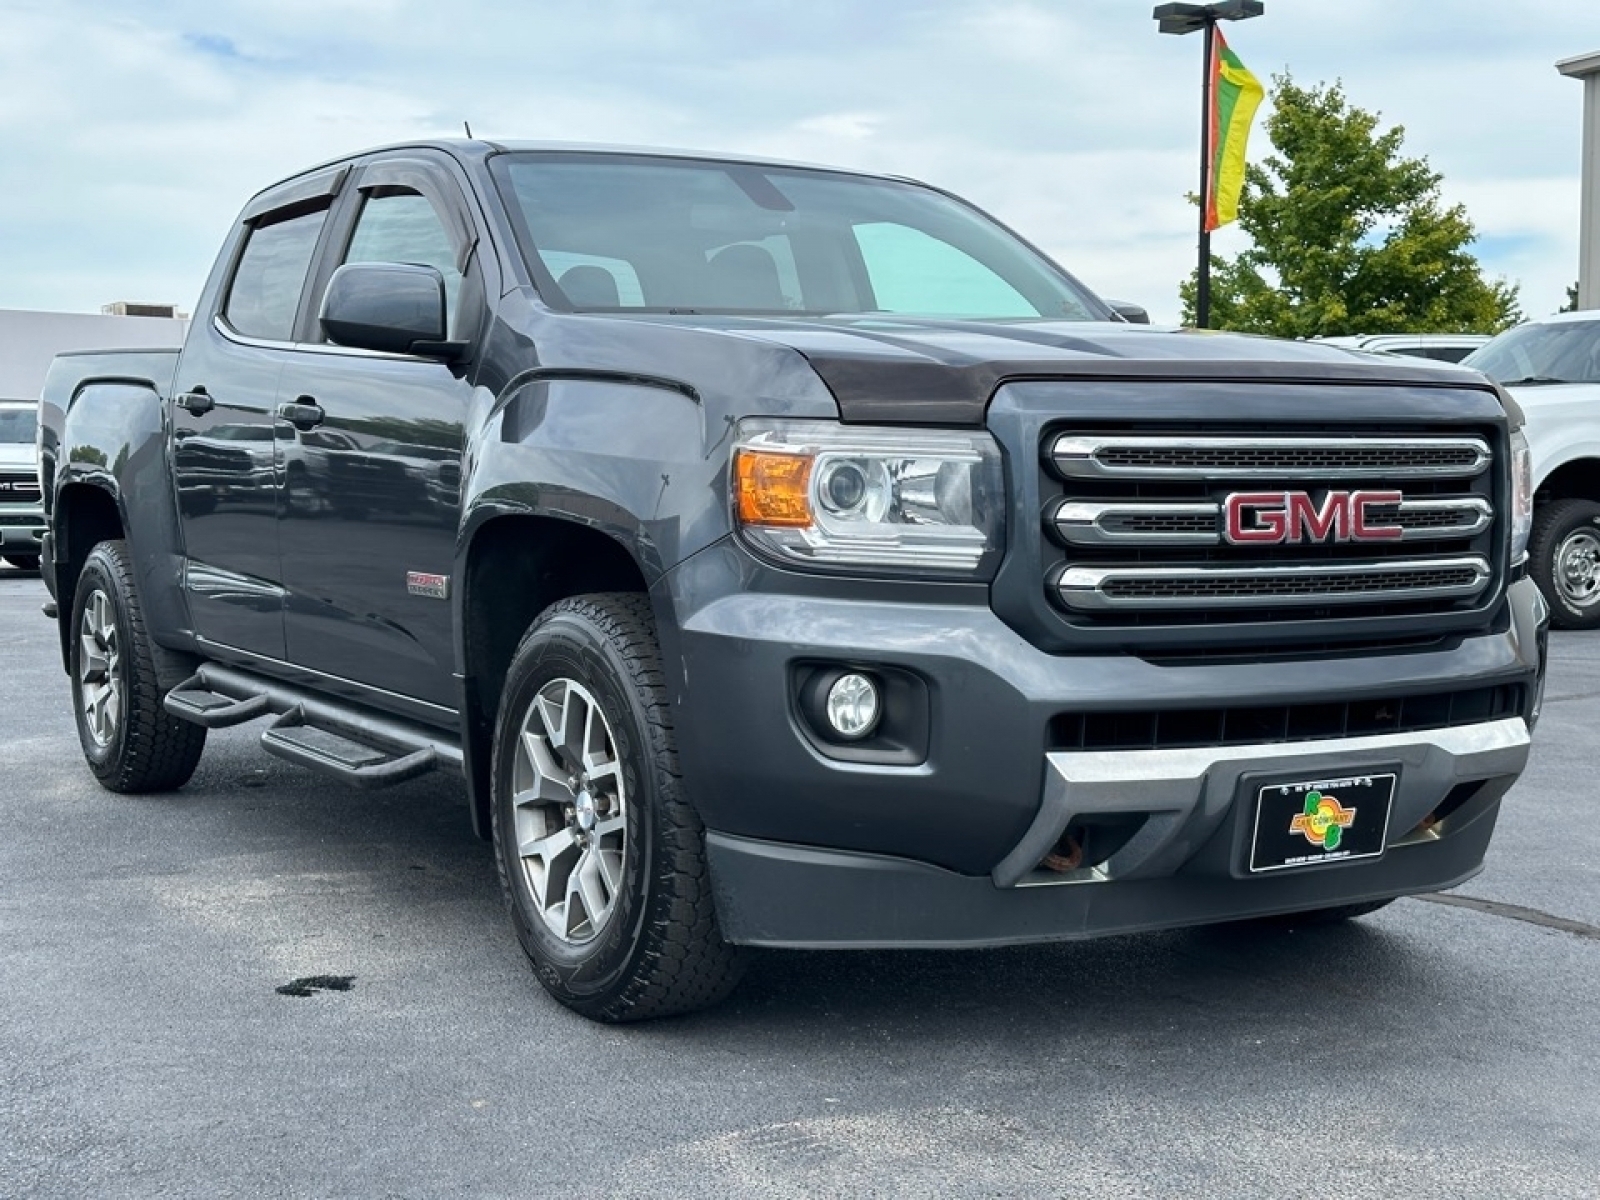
1430,1050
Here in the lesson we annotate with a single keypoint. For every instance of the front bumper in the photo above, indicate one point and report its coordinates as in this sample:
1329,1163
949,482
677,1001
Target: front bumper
20,531
1184,867
809,849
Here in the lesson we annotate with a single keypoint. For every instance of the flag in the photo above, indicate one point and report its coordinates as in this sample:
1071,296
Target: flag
1231,103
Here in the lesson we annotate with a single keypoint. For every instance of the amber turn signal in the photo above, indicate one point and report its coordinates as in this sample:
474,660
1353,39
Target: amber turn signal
774,489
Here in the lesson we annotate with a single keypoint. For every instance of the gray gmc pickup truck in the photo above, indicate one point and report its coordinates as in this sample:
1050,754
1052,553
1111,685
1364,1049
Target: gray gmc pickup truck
792,557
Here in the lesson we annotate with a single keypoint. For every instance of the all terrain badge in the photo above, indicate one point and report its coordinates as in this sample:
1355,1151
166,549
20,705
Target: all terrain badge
423,583
1324,821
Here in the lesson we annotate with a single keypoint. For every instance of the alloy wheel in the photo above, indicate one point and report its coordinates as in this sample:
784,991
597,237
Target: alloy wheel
100,669
570,810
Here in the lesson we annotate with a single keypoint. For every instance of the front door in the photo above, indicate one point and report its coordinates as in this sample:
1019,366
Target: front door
371,473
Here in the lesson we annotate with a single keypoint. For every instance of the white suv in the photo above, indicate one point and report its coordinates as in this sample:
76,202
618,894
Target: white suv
1552,367
1439,347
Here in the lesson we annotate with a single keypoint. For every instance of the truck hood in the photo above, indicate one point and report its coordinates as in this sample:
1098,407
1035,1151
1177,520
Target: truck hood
927,371
15,455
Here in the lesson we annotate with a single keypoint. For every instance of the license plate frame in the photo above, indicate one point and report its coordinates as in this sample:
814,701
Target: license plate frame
1348,821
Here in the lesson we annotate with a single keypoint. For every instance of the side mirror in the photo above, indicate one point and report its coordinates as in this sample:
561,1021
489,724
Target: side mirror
1131,313
398,308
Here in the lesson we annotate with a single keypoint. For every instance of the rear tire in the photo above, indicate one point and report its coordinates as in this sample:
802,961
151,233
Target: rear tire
1564,559
23,562
130,742
601,857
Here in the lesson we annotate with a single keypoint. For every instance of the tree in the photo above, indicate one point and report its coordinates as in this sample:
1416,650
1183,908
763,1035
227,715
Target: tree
1572,300
1348,235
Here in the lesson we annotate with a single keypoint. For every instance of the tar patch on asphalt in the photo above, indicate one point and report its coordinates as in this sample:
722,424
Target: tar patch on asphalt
1515,912
310,984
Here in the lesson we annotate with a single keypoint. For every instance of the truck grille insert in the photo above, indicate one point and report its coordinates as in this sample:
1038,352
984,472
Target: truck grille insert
1247,457
1171,729
1169,528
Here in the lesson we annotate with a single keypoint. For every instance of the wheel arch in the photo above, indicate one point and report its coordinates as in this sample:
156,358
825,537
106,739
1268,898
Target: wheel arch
514,566
85,515
1577,478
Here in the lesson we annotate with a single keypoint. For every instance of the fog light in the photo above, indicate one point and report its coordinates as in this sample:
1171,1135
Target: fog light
853,706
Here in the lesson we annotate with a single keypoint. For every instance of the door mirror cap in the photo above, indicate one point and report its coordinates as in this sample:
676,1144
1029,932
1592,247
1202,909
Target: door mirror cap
1133,314
397,308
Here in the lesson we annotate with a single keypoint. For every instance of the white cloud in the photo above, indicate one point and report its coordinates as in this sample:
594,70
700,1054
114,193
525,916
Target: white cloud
132,134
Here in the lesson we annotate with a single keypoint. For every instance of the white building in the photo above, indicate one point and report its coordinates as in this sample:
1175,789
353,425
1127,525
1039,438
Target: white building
29,340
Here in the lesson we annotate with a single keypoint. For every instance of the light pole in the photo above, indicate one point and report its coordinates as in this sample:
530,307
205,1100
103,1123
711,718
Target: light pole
1188,18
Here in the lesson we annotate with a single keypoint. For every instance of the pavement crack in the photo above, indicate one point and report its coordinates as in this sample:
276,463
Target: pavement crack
1516,912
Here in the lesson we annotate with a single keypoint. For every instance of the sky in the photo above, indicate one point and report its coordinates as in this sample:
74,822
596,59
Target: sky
132,133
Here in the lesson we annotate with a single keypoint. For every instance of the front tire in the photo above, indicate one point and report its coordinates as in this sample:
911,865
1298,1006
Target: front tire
601,857
130,742
1564,558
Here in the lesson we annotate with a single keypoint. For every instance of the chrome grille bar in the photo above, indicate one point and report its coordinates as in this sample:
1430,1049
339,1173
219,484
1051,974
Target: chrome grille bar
1112,588
1149,523
1119,456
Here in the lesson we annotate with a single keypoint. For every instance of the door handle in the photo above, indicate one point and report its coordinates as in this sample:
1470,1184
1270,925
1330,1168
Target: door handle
198,402
302,413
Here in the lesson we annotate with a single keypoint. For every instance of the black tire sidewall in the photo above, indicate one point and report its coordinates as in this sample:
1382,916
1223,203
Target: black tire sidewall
99,575
1563,519
565,645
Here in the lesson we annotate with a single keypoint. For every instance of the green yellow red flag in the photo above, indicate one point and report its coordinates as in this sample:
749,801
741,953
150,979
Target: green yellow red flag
1232,100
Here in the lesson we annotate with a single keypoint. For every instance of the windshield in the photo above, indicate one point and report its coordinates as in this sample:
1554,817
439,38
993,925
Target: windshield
18,425
618,233
1563,352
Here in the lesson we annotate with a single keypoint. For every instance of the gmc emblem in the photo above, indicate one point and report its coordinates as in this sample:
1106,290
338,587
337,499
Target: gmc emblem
1271,518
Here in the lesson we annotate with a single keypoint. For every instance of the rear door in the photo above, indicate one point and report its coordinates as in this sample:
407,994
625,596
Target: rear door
372,489
225,392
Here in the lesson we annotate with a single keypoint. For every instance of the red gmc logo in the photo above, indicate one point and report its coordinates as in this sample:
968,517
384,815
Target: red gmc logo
1271,518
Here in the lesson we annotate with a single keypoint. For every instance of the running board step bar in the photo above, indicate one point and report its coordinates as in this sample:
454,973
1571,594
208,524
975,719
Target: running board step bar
351,744
358,763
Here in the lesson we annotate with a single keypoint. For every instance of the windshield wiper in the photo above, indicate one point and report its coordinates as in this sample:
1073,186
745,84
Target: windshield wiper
1533,381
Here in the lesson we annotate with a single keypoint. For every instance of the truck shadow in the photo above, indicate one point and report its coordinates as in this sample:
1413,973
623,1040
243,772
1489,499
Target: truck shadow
1208,986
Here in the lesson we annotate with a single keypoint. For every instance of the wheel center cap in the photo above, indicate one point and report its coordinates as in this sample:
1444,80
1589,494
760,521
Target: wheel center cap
586,811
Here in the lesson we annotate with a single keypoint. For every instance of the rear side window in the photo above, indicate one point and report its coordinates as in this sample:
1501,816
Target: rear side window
265,293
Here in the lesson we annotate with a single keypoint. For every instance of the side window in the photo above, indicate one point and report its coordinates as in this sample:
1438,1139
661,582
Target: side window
265,292
401,227
914,272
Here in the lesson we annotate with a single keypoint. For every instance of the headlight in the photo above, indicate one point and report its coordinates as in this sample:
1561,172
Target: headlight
1521,496
821,494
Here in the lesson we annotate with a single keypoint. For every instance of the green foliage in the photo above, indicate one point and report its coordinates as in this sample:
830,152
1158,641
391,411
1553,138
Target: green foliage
1572,300
1348,236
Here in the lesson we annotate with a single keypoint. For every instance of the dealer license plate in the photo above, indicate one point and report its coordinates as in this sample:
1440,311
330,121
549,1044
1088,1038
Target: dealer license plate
1306,822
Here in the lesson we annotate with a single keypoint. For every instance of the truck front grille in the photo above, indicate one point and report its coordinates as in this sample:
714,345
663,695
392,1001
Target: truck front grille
1173,528
19,487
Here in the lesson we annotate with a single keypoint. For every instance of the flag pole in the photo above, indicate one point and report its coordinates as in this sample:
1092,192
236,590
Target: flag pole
1181,17
1202,290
